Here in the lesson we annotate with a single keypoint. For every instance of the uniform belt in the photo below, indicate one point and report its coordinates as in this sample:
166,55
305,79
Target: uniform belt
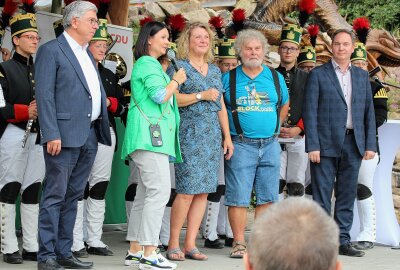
349,131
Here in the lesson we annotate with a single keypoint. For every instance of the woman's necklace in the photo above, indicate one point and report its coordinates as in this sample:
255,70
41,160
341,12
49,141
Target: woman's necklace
197,66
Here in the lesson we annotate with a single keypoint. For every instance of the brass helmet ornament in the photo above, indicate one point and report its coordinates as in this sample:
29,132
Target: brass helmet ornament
121,65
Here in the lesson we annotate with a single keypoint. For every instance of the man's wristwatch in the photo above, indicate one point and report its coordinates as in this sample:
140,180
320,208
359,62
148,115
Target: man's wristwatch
198,96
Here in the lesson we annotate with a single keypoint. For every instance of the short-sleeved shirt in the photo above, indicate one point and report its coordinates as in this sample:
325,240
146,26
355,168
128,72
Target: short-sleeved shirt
256,101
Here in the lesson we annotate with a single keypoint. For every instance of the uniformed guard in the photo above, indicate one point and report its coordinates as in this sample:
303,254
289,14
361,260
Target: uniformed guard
293,157
22,163
93,209
306,61
365,199
307,58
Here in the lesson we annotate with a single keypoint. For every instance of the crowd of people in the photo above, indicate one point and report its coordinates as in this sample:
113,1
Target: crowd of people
204,139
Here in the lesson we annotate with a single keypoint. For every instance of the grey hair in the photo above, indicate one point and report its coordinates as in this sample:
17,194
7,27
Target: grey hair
247,35
76,10
349,32
294,234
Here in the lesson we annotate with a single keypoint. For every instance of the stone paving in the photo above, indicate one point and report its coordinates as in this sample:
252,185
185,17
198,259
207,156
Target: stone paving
379,258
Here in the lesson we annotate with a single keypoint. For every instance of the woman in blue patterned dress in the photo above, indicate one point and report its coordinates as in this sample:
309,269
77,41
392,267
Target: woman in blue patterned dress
204,128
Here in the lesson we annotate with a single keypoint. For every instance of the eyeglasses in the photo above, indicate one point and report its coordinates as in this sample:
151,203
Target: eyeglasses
98,46
92,21
288,49
31,37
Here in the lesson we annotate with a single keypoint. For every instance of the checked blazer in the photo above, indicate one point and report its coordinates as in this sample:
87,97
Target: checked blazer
325,111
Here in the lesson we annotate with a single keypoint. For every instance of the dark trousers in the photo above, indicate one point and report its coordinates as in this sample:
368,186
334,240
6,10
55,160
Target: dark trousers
345,170
65,181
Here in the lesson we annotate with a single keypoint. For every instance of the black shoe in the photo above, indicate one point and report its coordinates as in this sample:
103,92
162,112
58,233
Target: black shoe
50,264
216,244
82,253
29,256
348,250
102,251
363,245
74,263
222,236
229,242
162,248
12,258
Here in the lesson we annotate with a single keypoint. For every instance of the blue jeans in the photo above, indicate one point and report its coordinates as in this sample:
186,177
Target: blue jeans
255,163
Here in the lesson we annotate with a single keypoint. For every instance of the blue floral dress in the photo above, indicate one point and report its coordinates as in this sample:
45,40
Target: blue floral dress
199,134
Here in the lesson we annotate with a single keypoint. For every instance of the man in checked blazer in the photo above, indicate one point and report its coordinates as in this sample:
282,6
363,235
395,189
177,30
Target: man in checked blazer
340,126
73,107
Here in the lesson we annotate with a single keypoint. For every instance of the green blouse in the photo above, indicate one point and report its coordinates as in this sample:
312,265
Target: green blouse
148,78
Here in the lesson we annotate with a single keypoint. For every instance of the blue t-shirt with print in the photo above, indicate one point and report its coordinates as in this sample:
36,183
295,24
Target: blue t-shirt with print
256,102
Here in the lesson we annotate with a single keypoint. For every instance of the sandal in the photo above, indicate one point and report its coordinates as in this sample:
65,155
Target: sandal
177,254
238,250
195,254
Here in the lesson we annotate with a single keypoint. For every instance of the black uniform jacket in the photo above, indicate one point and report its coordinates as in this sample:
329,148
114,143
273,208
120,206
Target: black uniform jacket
17,82
295,79
115,95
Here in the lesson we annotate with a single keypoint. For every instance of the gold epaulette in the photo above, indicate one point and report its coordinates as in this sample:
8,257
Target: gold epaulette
381,93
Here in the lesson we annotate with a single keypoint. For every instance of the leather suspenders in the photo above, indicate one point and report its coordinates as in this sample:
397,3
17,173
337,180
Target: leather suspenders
235,113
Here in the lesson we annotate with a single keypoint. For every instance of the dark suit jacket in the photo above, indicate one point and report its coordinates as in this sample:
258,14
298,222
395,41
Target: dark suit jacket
64,99
325,111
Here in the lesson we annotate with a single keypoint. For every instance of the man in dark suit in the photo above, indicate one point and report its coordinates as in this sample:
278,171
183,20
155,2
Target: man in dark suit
340,126
72,104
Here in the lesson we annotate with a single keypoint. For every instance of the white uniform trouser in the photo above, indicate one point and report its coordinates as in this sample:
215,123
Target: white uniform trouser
25,166
165,226
223,226
366,207
216,213
90,212
294,163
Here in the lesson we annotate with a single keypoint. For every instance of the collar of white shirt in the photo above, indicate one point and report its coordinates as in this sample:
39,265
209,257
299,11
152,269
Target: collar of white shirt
73,44
337,67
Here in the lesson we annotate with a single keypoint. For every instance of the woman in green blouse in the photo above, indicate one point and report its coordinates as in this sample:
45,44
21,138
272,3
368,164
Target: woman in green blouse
151,140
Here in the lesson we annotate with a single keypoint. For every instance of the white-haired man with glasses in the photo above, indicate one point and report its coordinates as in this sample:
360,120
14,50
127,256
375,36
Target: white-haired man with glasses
73,116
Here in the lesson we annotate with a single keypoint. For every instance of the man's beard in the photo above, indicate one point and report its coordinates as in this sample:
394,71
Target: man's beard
253,63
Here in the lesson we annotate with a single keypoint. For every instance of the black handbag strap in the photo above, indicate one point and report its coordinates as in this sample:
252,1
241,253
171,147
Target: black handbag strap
235,113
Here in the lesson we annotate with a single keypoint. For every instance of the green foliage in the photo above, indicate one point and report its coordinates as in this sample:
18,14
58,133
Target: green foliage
382,13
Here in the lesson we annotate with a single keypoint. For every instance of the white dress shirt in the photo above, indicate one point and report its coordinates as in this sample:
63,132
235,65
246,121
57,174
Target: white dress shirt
345,83
89,70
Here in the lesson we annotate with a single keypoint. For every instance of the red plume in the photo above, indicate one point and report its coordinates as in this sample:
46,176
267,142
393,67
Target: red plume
176,23
313,30
306,8
238,17
145,20
10,7
29,6
217,22
362,26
